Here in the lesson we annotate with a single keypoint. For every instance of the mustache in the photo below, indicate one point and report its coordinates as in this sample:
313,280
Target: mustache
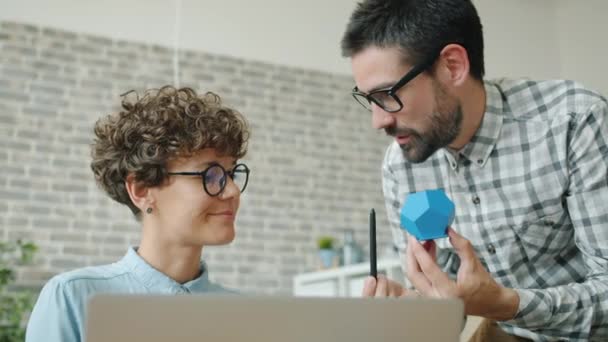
394,131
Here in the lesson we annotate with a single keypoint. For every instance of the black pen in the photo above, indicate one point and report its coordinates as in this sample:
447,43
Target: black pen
373,268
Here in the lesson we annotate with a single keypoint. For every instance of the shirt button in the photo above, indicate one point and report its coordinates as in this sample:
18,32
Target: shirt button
479,161
491,249
476,200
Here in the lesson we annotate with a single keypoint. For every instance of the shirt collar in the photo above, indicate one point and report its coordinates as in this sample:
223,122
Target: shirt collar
479,148
159,282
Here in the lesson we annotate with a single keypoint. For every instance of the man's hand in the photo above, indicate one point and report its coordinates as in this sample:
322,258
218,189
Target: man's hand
384,287
481,294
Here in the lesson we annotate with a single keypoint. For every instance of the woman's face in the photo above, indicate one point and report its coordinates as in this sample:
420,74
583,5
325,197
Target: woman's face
187,214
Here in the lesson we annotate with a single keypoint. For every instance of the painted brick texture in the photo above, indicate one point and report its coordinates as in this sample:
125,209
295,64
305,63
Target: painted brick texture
314,157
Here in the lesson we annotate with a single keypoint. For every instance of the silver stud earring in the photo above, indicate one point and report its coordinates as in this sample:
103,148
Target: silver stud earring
149,210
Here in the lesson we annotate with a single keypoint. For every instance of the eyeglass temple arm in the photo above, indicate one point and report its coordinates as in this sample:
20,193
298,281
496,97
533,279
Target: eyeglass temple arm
419,69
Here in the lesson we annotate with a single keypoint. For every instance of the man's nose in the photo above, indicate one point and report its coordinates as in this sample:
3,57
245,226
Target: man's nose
381,119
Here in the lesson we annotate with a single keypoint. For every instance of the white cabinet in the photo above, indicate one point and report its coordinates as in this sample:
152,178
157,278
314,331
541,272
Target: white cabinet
346,281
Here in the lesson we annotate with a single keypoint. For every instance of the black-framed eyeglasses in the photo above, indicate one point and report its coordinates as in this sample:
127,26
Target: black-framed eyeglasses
215,177
387,98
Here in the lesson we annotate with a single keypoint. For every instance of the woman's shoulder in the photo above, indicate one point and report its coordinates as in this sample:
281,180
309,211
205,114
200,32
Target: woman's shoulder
60,308
87,277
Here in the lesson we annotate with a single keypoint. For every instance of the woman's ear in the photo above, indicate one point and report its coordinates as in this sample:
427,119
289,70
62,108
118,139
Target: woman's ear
454,64
139,193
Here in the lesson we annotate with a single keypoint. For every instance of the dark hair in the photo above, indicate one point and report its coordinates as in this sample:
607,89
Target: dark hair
161,125
417,27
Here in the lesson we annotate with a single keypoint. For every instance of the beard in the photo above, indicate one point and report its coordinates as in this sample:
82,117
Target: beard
443,127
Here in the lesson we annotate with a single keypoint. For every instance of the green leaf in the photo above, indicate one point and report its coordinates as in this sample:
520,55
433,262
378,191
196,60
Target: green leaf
27,252
14,304
6,276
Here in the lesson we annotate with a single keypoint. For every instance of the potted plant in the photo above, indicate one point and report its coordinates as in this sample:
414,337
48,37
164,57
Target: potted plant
327,254
15,304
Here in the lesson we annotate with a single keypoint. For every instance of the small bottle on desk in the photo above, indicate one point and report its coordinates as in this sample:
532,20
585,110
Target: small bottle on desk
351,252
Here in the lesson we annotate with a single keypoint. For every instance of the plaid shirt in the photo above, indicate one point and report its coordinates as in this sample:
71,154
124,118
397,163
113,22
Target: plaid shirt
531,195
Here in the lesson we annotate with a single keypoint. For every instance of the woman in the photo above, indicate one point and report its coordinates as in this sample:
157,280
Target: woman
151,157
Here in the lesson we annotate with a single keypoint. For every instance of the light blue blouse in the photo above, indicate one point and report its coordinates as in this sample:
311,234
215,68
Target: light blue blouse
59,313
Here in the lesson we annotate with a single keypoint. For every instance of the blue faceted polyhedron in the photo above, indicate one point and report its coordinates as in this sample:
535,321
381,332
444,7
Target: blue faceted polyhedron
427,214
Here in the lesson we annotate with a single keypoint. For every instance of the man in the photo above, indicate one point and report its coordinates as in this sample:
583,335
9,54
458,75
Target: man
524,162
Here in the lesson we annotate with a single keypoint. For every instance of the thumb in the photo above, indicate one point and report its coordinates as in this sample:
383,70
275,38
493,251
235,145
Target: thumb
463,247
369,287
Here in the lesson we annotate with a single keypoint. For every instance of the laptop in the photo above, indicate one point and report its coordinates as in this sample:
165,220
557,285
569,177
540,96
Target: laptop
155,318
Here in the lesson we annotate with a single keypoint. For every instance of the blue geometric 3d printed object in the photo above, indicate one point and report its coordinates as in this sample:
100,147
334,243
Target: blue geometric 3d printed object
427,214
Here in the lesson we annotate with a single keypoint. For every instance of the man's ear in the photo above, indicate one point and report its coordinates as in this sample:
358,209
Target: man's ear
453,67
139,193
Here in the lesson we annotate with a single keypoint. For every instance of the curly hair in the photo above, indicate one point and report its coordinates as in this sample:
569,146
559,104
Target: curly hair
162,125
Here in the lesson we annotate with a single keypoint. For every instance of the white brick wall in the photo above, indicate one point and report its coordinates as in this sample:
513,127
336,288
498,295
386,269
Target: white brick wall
315,159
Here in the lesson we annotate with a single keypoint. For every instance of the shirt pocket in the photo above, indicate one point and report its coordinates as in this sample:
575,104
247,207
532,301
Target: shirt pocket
543,238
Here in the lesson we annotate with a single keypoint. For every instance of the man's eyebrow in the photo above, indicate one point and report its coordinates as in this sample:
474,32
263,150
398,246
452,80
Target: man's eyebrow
381,86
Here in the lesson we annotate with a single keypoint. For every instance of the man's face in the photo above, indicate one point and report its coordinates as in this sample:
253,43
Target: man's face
430,118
